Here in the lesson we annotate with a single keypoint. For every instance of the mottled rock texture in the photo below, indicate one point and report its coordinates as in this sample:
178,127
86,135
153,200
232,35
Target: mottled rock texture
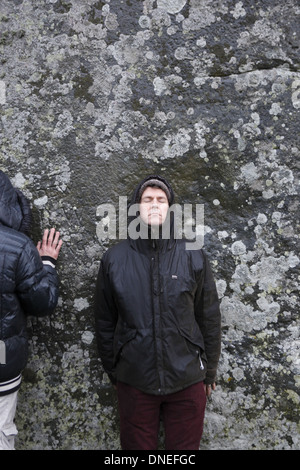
94,95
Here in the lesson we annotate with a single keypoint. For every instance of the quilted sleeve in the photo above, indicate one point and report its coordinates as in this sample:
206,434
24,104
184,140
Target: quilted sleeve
36,283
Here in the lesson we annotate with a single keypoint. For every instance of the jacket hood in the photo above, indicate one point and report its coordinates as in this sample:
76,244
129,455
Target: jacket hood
15,209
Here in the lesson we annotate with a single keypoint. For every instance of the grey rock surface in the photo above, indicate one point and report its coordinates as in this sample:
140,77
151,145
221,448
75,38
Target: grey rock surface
95,95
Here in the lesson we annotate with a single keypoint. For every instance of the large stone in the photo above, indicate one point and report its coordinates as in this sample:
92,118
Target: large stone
95,95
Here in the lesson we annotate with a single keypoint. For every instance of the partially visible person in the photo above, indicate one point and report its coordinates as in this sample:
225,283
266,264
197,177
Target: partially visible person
28,286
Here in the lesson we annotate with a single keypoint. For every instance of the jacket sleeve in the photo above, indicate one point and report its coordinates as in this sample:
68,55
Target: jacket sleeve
208,316
105,321
36,283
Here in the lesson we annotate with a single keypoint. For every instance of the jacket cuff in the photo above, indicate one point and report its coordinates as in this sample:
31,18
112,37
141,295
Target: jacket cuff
48,260
210,376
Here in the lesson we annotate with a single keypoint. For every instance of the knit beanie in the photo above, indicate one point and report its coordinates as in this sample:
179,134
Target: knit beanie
156,182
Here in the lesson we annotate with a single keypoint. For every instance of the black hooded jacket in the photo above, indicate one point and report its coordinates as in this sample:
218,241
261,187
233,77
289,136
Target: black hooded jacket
27,286
157,314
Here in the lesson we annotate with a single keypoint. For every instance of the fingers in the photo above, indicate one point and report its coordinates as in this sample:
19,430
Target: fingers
208,389
51,244
56,238
51,239
45,237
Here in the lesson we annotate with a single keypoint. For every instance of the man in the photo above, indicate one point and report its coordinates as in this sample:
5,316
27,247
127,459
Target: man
158,328
28,286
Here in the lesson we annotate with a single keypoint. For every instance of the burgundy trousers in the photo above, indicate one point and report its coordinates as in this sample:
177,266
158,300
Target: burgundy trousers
182,414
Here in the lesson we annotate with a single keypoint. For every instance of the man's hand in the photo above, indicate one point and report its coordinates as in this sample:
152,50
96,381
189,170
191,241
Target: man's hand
50,245
208,388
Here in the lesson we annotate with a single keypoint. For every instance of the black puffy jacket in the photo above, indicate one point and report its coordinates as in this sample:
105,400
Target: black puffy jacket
27,286
157,315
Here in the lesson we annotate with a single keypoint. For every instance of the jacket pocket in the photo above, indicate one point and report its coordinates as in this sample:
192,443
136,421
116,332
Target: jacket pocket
179,296
176,284
195,347
123,336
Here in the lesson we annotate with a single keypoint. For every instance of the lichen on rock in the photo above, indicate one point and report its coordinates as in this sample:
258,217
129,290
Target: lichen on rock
94,96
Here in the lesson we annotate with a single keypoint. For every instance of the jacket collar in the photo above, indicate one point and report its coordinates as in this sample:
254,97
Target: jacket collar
150,246
153,243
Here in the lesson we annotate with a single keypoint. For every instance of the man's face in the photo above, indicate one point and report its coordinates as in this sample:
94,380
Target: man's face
154,206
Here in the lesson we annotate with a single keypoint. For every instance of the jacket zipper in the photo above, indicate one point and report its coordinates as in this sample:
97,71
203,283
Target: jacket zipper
156,321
